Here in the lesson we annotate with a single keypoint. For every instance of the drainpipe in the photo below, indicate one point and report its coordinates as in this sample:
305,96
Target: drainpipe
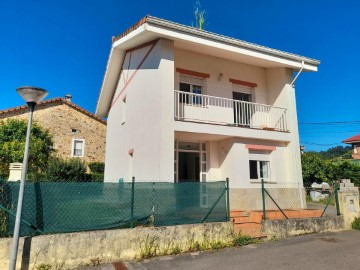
297,75
295,158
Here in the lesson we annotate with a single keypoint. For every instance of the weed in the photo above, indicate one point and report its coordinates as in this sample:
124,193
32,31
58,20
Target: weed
356,224
243,240
95,261
176,250
149,247
44,266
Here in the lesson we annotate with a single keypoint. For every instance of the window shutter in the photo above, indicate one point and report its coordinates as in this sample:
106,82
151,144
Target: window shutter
191,80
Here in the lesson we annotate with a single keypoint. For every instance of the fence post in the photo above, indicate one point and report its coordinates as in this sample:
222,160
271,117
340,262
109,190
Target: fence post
263,198
132,202
228,198
336,187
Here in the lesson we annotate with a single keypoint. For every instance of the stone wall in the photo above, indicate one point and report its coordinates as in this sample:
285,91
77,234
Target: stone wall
71,250
60,118
282,228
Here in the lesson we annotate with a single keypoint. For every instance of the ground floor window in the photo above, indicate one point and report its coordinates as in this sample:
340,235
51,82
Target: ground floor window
259,169
259,165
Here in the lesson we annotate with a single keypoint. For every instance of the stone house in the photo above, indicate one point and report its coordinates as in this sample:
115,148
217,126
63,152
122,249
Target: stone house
76,131
355,143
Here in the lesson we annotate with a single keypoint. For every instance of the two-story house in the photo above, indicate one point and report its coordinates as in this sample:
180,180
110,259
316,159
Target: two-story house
186,104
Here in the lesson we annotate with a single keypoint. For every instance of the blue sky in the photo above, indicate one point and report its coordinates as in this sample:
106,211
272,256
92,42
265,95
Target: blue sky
63,46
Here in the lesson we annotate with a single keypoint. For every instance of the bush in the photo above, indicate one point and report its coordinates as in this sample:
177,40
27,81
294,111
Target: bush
356,224
61,170
95,177
97,167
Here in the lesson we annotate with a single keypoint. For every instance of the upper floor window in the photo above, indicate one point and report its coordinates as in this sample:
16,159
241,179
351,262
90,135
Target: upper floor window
78,147
191,85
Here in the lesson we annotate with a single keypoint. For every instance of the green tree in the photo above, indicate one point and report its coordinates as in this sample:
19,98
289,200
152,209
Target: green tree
314,168
337,152
12,145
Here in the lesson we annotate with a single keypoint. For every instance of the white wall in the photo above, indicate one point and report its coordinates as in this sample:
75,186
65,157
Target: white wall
149,119
214,66
234,162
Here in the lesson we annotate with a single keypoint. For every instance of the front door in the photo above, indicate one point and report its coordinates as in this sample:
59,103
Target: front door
189,167
242,111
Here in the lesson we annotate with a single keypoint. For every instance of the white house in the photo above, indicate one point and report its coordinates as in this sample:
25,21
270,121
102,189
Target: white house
184,103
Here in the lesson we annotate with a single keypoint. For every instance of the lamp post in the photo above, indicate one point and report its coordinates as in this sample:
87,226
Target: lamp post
31,95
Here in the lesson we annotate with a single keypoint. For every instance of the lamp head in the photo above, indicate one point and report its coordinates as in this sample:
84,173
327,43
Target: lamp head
32,94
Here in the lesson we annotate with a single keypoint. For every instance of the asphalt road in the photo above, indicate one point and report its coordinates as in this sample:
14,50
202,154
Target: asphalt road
316,251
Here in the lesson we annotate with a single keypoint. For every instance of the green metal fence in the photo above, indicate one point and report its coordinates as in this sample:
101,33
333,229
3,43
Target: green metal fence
56,207
292,200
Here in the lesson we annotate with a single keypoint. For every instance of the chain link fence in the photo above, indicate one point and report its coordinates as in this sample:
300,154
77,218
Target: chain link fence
292,200
59,207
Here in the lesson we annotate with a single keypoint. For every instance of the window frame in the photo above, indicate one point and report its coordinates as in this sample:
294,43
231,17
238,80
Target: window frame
260,156
193,85
73,147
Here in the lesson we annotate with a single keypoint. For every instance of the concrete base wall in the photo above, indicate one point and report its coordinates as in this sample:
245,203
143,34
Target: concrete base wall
292,227
71,250
251,198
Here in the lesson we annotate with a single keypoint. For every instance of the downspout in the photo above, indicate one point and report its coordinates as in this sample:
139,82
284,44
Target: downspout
300,187
297,75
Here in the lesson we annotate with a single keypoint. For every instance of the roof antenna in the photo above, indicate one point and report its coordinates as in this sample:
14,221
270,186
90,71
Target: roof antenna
68,97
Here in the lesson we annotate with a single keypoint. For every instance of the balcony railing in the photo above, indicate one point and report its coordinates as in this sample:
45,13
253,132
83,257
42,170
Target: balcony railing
217,110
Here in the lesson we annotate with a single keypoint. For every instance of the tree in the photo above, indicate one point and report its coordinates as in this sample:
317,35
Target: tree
12,145
314,168
337,152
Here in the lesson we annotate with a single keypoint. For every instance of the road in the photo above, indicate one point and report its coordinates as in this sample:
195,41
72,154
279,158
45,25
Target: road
316,251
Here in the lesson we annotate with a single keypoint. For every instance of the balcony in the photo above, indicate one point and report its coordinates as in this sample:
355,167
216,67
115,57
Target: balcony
223,111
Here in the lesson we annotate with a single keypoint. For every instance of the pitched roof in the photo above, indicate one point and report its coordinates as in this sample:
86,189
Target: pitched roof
352,139
150,28
213,36
54,101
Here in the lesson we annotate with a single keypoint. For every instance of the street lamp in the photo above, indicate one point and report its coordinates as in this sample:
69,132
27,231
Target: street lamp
31,95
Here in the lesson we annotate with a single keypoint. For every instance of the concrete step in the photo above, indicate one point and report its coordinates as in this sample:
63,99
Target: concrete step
253,231
239,213
240,219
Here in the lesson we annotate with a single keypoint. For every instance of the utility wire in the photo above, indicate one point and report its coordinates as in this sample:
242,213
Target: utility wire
330,123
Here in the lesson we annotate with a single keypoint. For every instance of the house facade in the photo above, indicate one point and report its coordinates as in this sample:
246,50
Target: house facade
185,104
76,131
355,144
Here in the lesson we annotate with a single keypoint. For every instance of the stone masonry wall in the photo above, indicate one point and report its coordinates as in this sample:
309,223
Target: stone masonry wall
60,119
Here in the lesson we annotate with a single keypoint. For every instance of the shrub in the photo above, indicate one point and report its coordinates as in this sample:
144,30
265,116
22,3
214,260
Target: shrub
95,177
12,144
97,167
60,170
356,224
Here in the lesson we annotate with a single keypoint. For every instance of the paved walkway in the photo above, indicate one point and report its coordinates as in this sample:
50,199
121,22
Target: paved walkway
316,251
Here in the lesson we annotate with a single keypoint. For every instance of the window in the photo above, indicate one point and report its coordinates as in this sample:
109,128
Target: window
193,86
259,165
259,170
78,146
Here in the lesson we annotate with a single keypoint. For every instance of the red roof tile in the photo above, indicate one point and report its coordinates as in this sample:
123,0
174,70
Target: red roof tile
54,101
355,138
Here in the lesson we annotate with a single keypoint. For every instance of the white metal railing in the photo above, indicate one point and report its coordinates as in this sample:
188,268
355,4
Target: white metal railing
209,109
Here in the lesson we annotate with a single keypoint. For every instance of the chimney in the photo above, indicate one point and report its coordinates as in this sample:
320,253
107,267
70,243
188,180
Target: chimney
68,97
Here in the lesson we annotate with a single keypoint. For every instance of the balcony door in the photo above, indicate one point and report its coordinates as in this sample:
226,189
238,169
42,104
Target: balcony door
242,110
193,86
